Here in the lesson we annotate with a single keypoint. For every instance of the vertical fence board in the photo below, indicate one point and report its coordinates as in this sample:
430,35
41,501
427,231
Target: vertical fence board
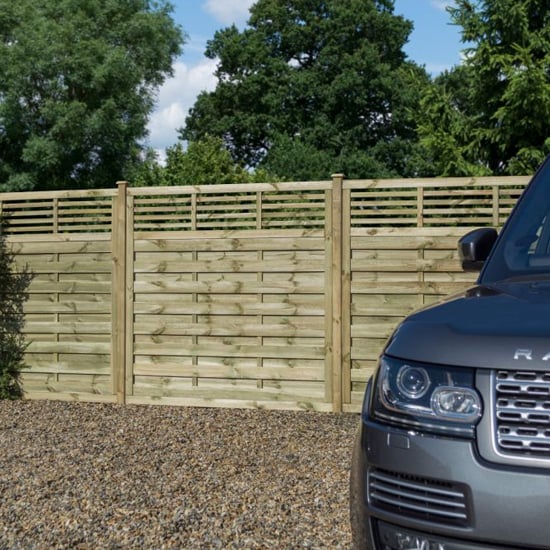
129,299
346,297
336,302
119,294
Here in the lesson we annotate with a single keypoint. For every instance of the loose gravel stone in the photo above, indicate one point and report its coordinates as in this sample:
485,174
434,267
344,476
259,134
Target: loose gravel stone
88,476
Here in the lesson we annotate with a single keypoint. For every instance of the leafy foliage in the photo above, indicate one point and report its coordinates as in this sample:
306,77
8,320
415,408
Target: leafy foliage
202,162
312,87
489,115
77,83
13,294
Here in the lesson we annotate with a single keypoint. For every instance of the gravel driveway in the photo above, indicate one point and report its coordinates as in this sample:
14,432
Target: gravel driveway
87,476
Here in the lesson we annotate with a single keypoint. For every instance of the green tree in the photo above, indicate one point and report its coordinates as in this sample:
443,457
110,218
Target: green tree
447,126
149,172
322,76
489,115
203,162
77,84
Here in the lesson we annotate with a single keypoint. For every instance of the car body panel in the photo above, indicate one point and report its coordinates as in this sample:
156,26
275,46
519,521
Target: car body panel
420,484
484,327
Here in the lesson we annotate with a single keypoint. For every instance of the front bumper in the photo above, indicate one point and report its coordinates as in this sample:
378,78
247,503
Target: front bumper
436,493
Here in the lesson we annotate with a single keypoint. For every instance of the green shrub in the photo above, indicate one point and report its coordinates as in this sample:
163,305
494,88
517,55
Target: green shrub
14,283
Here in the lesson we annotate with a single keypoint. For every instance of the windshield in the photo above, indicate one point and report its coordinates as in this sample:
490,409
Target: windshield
524,246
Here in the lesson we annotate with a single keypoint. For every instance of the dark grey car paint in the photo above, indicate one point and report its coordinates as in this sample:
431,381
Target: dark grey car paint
502,323
481,328
521,495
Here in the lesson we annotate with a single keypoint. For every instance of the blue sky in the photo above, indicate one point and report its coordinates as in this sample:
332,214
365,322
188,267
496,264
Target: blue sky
434,43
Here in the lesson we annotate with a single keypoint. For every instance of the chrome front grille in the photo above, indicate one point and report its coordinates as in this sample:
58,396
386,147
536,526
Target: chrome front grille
418,497
522,403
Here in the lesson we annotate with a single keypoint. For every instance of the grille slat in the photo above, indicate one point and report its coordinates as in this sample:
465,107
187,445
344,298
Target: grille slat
522,400
418,497
412,495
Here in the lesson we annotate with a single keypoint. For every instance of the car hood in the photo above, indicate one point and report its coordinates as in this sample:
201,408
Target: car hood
502,326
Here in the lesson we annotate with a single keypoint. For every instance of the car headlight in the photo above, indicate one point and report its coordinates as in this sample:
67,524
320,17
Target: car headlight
437,399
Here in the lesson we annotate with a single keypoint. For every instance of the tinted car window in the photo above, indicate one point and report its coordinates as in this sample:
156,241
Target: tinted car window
523,249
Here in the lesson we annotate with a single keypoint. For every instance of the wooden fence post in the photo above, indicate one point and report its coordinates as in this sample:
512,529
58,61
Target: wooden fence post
345,245
336,277
118,355
496,206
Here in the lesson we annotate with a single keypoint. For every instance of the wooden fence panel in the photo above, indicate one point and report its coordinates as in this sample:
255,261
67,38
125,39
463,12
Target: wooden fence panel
401,254
276,295
68,316
232,322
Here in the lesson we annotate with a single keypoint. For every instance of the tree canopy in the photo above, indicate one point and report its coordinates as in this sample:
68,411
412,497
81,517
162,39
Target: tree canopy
201,163
77,84
490,114
315,79
307,88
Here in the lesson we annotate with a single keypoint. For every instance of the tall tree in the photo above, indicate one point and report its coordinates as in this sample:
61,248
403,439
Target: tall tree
77,83
328,76
489,115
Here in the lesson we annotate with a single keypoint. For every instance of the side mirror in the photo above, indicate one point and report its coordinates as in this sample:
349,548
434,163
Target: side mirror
475,246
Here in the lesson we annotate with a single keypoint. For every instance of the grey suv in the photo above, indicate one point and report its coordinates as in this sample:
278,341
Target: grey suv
453,450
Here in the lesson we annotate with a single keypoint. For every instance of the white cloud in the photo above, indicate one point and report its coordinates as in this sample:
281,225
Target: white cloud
229,11
179,93
176,97
442,4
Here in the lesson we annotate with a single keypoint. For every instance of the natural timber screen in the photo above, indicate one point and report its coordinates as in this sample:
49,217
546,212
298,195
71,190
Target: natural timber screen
254,295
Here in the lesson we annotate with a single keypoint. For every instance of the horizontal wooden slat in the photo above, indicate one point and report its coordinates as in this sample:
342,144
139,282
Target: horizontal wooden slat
97,348
228,244
211,350
150,283
466,182
178,388
223,328
69,327
228,372
257,308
